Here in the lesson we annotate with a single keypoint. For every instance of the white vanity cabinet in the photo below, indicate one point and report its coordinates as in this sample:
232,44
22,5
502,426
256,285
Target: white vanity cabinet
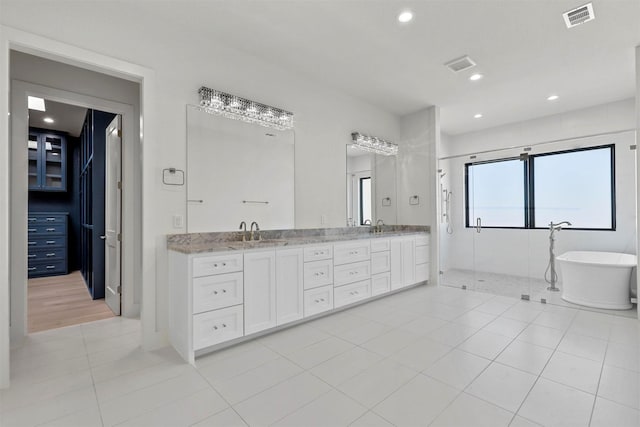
219,297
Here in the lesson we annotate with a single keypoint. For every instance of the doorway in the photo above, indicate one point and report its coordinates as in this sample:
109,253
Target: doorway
67,212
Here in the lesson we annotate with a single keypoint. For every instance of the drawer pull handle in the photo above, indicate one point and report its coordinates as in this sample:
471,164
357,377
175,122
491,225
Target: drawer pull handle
215,328
215,265
224,264
224,291
321,299
31,255
50,267
31,243
51,254
224,325
215,292
51,242
31,230
51,219
51,229
317,301
32,219
31,268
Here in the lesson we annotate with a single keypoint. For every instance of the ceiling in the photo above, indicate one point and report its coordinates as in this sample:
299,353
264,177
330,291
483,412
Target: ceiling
522,47
67,118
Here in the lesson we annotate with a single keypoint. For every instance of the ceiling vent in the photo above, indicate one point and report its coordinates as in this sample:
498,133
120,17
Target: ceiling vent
579,15
460,64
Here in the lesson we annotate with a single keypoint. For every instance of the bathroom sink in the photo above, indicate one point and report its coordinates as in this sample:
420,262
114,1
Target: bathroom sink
257,243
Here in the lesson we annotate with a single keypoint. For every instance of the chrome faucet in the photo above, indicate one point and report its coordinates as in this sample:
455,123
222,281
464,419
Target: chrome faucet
243,228
379,225
551,267
257,230
367,222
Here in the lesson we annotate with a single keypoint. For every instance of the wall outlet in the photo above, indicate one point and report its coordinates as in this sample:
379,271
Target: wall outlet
323,219
178,221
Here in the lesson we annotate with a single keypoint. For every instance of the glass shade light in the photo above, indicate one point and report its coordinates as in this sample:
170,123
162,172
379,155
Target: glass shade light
233,107
374,144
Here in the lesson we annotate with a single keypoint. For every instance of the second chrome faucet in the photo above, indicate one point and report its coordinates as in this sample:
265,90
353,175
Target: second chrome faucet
243,229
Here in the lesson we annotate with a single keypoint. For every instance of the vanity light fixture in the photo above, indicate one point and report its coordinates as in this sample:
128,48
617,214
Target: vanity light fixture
374,144
233,107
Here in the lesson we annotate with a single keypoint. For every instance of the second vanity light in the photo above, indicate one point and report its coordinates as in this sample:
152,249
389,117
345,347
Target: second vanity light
374,144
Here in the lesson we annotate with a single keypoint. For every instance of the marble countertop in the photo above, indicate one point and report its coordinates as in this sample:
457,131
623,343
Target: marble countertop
194,243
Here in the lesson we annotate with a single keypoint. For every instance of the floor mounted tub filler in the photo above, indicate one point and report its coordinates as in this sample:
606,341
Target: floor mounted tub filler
597,279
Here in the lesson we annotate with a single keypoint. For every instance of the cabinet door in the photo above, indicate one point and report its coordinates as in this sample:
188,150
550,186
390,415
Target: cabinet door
396,263
408,261
54,163
289,285
34,162
259,291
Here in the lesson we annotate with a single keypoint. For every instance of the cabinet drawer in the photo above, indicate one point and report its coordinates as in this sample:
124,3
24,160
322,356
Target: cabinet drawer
318,273
422,240
349,273
316,253
46,229
47,268
422,254
45,242
380,283
379,245
221,290
422,272
318,300
209,265
380,262
348,294
46,219
51,254
345,253
217,326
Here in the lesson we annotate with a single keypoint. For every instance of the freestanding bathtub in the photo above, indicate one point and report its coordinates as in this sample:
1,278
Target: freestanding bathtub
597,279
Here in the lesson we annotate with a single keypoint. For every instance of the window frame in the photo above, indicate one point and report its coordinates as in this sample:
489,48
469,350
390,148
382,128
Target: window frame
361,199
529,190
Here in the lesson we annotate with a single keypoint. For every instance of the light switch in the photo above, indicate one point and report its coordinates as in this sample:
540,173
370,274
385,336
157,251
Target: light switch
178,221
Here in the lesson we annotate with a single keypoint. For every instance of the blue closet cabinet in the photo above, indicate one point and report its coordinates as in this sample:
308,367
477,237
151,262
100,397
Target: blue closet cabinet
47,161
47,243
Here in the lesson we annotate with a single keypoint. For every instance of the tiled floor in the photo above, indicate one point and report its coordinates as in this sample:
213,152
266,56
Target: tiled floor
427,356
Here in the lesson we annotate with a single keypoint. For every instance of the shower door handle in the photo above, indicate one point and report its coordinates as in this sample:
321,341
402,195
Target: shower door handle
478,225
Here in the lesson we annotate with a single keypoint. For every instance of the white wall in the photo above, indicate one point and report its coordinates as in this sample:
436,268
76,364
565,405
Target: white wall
525,252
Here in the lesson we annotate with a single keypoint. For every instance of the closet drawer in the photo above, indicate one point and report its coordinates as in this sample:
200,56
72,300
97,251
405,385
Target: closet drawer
217,326
422,254
47,268
316,253
380,262
46,229
354,292
45,242
349,273
47,255
318,300
47,219
318,273
345,253
380,283
422,240
379,245
209,265
422,272
212,292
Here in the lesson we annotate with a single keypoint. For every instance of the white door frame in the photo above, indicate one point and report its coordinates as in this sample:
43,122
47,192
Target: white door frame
14,39
19,184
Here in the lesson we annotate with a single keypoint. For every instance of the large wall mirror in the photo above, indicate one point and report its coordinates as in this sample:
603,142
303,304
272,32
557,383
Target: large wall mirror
371,187
237,171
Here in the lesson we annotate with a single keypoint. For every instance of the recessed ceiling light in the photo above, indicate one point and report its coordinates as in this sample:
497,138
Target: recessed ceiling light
552,97
35,103
476,76
477,116
48,120
405,16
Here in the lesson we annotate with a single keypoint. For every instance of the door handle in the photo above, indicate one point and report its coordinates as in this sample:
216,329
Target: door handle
478,225
103,237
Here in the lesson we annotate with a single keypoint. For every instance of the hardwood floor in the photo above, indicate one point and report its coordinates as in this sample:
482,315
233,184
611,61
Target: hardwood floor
57,301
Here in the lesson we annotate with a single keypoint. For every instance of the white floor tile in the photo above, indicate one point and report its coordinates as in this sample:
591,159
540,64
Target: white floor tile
181,413
423,325
522,422
607,414
416,403
555,320
226,418
573,371
541,335
467,410
341,320
421,354
377,382
474,318
553,404
524,313
279,401
293,338
371,419
504,326
397,318
319,352
441,311
390,342
627,333
591,328
362,333
256,380
623,356
452,334
330,409
457,368
346,365
242,362
89,417
621,386
524,356
485,344
235,351
583,346
495,307
134,361
503,386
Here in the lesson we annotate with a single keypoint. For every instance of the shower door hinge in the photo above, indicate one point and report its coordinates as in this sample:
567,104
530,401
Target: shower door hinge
119,133
119,185
119,289
632,147
524,297
464,287
119,237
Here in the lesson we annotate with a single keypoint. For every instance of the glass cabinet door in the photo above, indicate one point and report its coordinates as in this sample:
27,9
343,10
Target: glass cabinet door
53,152
34,161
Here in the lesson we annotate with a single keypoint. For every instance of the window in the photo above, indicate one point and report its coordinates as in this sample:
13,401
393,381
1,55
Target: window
532,191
